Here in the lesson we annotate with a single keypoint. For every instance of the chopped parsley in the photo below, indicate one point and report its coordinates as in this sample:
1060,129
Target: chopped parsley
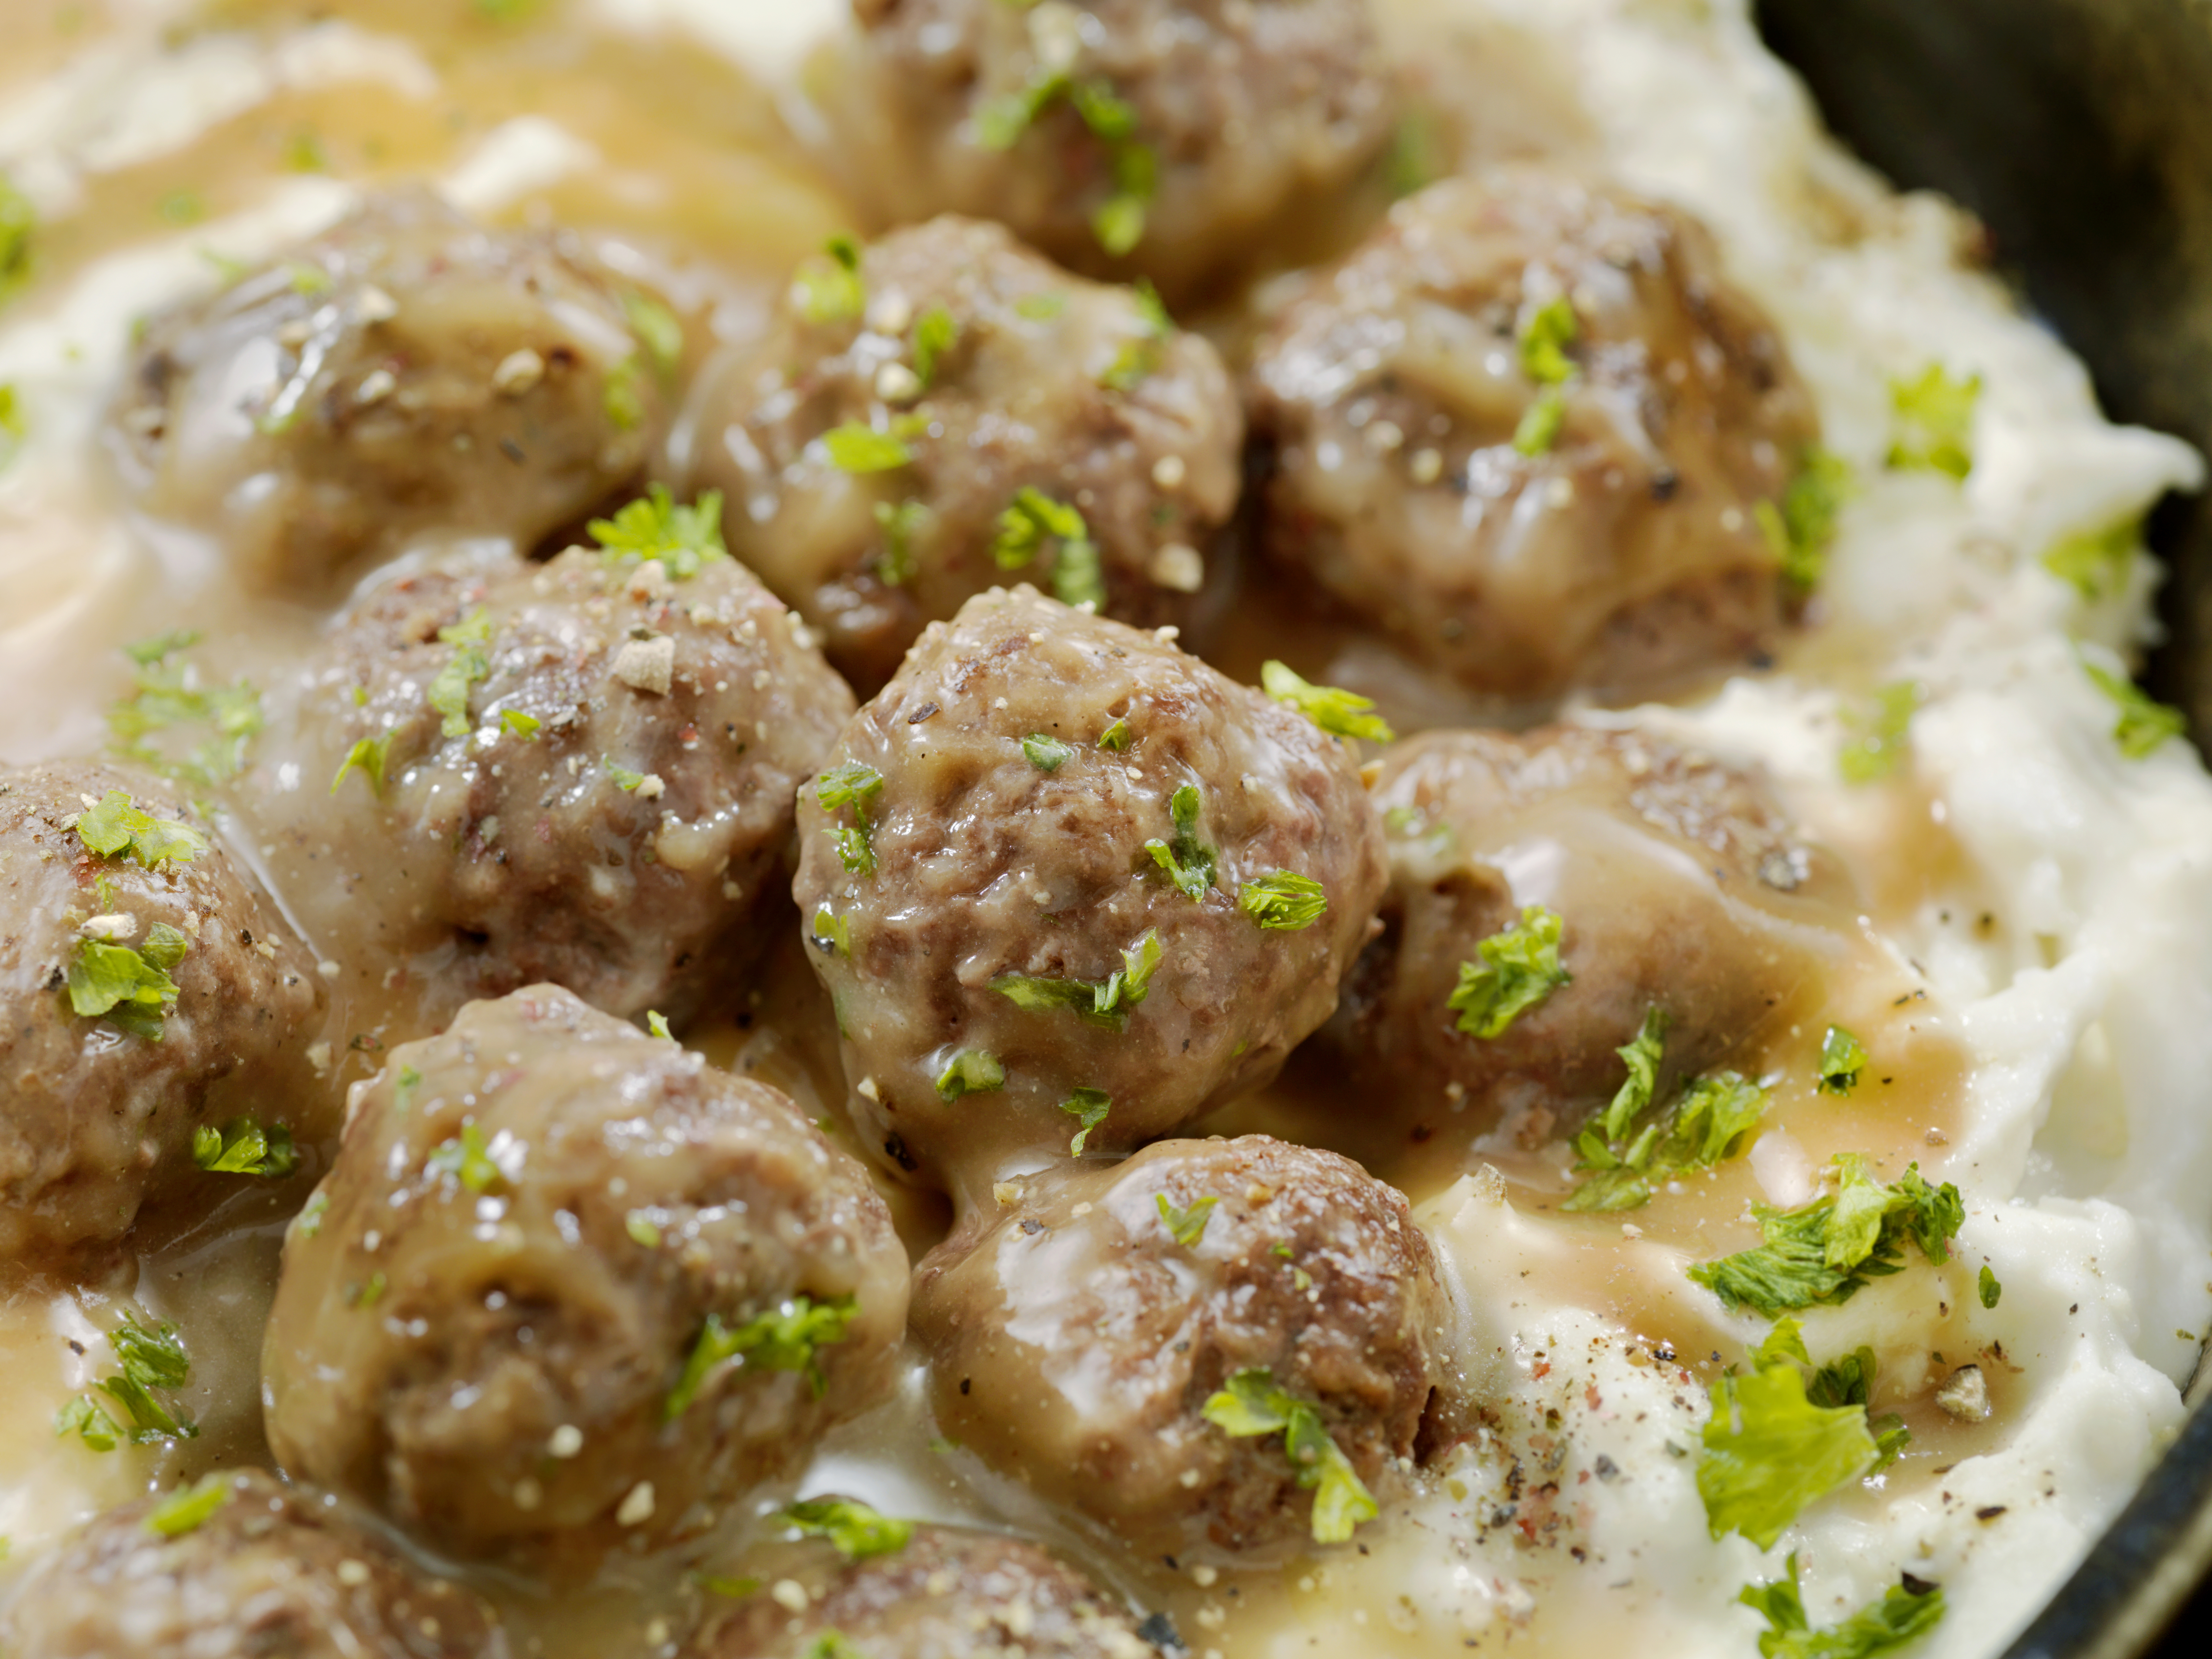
1641,1055
1034,521
900,523
130,989
466,1159
1188,861
117,826
829,288
2144,722
2096,563
13,428
1990,1290
851,785
656,1025
19,223
1340,713
858,447
369,757
1769,1450
1284,900
1518,967
1139,355
1116,736
831,1645
657,330
469,664
517,724
832,932
1708,1122
243,1147
1105,1002
628,782
788,1338
309,1221
1825,1251
1842,1057
1250,1404
168,695
1041,307
935,334
1879,735
623,401
1800,530
858,1532
1185,1226
152,1358
1932,422
1849,1381
642,1231
189,1508
1088,1107
1908,1609
736,1589
970,1071
1047,754
1000,122
1537,431
655,527
1545,338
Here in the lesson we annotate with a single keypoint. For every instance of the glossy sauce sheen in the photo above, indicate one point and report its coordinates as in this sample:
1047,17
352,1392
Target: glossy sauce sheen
691,178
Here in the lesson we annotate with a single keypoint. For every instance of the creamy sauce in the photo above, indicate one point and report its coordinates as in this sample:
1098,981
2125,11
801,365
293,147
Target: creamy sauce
2023,972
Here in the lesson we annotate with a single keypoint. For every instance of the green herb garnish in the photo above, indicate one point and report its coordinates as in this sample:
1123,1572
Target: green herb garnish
1250,1404
970,1071
243,1147
1283,899
1188,862
655,527
1517,968
1933,422
1340,713
788,1338
1088,1107
1827,1251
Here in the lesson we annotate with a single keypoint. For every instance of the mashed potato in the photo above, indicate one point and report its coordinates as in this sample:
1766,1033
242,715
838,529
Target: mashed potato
2045,890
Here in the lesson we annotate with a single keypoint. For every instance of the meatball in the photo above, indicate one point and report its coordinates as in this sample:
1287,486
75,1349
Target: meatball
148,988
1082,1342
980,382
494,773
408,370
1042,872
566,1285
1526,431
271,1572
1167,137
945,1594
1679,885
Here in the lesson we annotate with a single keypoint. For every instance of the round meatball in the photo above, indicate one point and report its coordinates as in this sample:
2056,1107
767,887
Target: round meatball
1167,137
1679,885
1526,431
495,773
991,381
1081,1344
566,1285
272,1572
946,1594
408,370
148,988
1037,874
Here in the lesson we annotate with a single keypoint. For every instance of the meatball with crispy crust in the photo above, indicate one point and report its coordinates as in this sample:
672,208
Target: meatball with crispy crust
977,378
1678,882
495,773
241,1567
1526,431
407,370
567,1287
945,1594
148,988
1060,875
1182,1345
1165,137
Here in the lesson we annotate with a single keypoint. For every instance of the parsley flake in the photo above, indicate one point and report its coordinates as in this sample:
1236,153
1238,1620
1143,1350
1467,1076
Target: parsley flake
829,288
657,330
2096,563
787,1338
1340,713
1907,1610
851,785
1537,432
117,826
1034,522
1088,1107
1545,338
970,1071
1708,1122
1251,1403
243,1147
131,988
189,1508
935,335
466,1159
832,932
900,525
858,1532
469,664
1879,735
1518,967
656,1025
369,757
858,447
1047,754
1769,1450
1932,425
152,1358
1106,1002
516,723
1989,1289
1115,737
1827,1251
19,223
655,528
1800,530
1842,1057
2144,722
1185,1226
1284,900
1188,862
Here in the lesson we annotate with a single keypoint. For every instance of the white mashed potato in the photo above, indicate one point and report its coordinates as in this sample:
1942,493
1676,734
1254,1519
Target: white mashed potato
2059,928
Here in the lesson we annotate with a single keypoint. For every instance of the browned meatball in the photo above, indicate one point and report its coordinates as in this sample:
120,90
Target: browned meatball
1525,430
1166,137
272,1572
580,773
993,373
408,370
1679,885
148,987
567,1287
1034,872
946,1594
1082,1342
